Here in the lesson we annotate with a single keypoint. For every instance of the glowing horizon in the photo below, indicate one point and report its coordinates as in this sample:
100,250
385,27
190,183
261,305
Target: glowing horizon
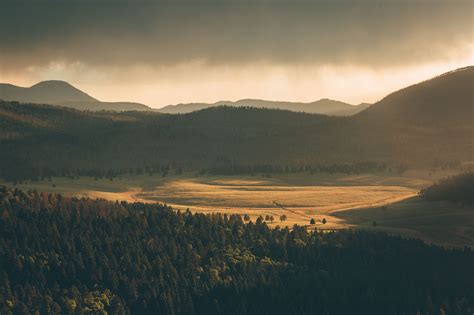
161,53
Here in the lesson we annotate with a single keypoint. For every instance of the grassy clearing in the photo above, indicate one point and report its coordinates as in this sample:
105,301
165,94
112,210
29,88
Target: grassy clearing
272,197
343,200
443,222
298,196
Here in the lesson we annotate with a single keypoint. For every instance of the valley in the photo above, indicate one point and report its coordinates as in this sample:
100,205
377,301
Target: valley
359,172
236,157
342,200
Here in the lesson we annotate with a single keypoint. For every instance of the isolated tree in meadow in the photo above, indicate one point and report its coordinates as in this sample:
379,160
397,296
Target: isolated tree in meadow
283,218
324,221
271,218
267,218
312,222
246,217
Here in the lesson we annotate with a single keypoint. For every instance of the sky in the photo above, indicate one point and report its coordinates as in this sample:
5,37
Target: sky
168,52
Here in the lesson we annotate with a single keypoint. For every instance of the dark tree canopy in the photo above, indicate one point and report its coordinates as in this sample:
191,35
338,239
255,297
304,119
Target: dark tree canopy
73,256
459,188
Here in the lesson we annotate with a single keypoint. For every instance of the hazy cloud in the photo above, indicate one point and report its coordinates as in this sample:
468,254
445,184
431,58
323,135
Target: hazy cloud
161,52
156,33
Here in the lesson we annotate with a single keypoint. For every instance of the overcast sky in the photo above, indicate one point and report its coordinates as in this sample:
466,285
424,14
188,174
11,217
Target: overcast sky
165,52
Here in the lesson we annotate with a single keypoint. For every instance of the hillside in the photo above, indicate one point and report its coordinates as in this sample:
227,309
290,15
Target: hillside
64,255
98,106
445,99
241,139
46,92
62,94
432,120
323,106
459,188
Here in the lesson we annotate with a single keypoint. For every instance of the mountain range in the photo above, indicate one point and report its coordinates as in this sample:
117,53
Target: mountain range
423,125
61,93
322,106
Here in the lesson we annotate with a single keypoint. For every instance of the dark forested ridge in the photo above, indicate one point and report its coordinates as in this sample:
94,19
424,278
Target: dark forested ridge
50,140
399,131
441,101
63,255
459,188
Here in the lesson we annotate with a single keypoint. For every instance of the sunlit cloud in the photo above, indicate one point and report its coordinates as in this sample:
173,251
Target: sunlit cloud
161,52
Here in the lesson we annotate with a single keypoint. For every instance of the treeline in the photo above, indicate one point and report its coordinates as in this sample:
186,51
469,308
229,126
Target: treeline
458,188
76,256
220,167
225,166
38,140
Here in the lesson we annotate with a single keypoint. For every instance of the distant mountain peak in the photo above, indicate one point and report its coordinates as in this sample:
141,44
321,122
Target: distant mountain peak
62,93
52,83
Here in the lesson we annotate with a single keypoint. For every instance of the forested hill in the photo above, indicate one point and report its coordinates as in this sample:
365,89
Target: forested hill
459,188
39,139
71,256
444,100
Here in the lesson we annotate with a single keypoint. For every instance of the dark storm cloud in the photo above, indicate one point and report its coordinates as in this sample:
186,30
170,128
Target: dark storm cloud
124,33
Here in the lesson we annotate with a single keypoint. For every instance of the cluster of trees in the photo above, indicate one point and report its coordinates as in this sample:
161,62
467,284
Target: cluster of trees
47,173
17,174
458,188
74,256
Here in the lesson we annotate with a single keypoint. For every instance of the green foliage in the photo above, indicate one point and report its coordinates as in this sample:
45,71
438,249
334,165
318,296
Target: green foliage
69,255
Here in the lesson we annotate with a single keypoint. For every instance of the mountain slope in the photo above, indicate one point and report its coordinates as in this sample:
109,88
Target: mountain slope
431,121
115,106
445,99
47,92
62,93
351,111
323,106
